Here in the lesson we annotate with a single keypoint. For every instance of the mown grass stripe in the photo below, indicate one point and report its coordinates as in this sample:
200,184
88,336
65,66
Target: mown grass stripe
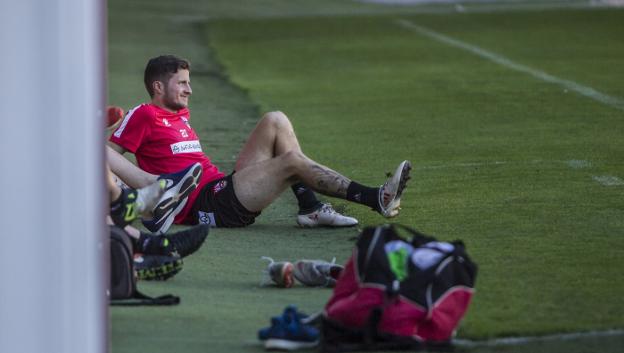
514,341
586,91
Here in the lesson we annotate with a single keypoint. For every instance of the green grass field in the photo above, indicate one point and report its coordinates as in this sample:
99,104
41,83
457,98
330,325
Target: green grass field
528,173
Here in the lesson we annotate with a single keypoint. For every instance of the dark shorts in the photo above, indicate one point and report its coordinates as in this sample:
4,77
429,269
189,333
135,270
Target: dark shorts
218,206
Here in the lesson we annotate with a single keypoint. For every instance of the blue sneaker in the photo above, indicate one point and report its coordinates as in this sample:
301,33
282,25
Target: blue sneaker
263,334
177,189
288,333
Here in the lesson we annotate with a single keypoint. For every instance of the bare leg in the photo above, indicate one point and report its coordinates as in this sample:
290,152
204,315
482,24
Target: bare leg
132,175
259,184
271,160
133,232
272,137
114,190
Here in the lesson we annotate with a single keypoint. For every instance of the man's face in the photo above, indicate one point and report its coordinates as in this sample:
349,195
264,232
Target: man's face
177,90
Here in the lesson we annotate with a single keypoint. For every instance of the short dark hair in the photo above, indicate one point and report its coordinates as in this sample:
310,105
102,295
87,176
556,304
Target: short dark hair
161,68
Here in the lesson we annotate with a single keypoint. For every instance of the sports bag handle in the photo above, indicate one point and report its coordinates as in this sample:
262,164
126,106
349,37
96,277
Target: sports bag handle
142,299
418,237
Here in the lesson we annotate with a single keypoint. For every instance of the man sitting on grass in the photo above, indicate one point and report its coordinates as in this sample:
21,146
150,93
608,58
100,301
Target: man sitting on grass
161,137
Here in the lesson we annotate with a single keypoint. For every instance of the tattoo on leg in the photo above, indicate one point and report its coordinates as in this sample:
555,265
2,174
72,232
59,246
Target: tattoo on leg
328,182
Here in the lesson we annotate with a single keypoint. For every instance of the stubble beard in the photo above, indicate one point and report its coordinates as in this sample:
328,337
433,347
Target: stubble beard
170,103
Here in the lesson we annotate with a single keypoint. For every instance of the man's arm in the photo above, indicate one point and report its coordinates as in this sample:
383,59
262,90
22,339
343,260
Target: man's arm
117,148
132,175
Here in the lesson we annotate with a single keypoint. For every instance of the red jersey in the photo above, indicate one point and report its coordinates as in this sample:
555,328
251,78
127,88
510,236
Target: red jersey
163,143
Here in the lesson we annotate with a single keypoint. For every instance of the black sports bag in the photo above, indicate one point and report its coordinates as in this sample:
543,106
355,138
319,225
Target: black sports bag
123,289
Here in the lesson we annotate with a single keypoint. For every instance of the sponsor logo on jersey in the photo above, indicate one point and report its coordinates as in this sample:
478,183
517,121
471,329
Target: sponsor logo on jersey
183,133
206,218
186,147
166,122
219,186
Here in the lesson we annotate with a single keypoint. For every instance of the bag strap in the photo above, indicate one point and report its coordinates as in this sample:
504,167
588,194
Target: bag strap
370,250
143,299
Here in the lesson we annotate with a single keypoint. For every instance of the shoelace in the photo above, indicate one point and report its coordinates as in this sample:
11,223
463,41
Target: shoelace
271,261
266,278
327,208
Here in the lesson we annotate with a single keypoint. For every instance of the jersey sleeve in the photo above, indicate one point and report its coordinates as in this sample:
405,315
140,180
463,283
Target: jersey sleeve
134,129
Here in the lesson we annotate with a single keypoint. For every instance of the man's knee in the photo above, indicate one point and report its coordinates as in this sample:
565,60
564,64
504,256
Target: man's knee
277,119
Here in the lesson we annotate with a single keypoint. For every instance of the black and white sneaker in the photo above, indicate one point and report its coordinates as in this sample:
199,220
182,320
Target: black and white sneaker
390,192
177,189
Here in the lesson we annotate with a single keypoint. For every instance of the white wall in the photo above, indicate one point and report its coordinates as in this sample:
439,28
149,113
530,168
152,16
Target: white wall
52,264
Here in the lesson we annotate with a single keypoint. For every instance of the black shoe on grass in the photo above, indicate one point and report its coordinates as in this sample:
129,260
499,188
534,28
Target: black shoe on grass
189,240
182,243
157,267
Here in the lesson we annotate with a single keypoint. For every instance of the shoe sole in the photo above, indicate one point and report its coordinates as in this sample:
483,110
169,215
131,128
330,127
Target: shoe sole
282,344
166,210
317,225
168,220
188,185
167,269
304,221
404,176
405,172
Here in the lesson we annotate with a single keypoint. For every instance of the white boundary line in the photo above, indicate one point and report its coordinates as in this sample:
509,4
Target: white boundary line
604,180
513,341
502,4
496,163
608,180
586,91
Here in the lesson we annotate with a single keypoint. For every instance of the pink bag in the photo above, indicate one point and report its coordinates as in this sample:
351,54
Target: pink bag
398,293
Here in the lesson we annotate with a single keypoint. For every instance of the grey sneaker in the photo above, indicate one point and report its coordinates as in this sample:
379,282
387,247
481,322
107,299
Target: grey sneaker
325,216
317,273
280,273
390,192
